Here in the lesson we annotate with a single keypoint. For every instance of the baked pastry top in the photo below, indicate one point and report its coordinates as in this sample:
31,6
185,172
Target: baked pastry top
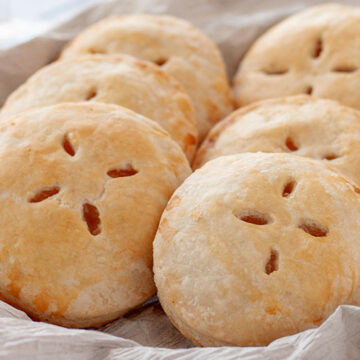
175,45
83,186
313,52
122,80
253,247
315,128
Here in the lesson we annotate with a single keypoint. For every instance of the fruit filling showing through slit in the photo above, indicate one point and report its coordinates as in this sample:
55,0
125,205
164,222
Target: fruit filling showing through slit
91,216
313,228
273,262
67,146
44,193
255,217
127,170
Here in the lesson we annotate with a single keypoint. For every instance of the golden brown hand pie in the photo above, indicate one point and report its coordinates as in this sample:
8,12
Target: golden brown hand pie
175,45
253,247
302,125
83,186
313,52
122,80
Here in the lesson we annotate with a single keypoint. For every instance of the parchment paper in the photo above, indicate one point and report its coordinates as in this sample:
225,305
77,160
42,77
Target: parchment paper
146,333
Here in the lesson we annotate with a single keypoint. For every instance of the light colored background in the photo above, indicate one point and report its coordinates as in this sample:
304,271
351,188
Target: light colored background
21,20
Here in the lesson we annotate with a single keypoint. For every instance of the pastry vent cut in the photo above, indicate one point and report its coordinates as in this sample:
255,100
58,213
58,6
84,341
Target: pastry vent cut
67,146
92,93
161,61
313,228
127,170
275,71
318,48
255,217
330,157
288,188
91,216
309,90
290,144
44,193
273,262
345,69
96,51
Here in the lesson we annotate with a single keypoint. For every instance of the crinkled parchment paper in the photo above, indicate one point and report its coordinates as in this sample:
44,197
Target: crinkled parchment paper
147,333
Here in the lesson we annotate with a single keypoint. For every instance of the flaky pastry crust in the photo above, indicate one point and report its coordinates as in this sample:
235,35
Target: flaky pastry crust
121,80
253,247
320,129
179,48
83,186
313,52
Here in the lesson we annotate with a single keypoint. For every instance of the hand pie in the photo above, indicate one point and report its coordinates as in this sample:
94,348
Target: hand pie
253,247
174,44
314,52
121,80
301,125
83,186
